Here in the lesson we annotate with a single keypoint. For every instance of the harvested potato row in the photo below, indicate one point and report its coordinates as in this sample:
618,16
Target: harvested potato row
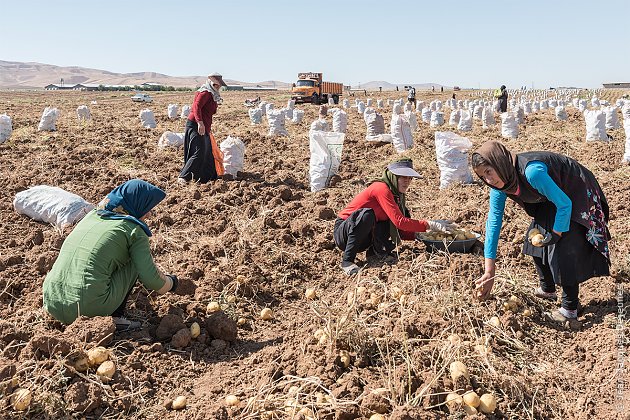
456,235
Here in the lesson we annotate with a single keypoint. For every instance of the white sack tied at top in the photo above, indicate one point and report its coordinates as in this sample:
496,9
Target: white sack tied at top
6,128
326,148
83,113
172,110
275,119
595,125
49,119
402,138
147,119
171,139
452,159
339,120
185,112
233,150
52,205
509,126
255,115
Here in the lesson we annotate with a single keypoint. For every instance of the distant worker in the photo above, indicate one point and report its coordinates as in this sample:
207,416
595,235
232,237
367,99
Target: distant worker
432,88
202,157
411,96
453,96
502,95
441,89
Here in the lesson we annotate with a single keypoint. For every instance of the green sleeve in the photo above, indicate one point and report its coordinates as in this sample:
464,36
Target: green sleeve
148,273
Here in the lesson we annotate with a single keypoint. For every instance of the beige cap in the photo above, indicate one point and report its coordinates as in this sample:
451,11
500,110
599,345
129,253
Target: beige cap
216,77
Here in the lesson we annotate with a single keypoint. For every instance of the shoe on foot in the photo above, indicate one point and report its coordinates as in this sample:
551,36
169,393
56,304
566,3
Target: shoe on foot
349,268
563,316
124,324
539,292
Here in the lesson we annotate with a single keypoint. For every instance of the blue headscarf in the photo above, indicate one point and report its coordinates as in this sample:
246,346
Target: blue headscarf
131,201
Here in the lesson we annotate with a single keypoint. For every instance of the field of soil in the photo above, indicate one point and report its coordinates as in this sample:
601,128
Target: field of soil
260,241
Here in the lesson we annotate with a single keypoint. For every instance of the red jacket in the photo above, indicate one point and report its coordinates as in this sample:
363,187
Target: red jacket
203,108
379,198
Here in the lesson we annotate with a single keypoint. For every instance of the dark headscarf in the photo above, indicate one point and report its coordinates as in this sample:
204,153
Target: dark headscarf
502,160
131,201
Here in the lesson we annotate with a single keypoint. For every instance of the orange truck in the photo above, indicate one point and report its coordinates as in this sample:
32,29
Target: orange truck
309,87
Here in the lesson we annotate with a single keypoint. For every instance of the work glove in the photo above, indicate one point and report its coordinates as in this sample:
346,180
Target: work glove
443,226
173,277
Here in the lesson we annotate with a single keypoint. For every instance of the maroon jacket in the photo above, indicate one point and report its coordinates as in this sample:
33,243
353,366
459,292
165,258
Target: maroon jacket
203,108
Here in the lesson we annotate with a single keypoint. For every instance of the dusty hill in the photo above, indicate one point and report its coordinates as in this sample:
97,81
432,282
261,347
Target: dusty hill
17,75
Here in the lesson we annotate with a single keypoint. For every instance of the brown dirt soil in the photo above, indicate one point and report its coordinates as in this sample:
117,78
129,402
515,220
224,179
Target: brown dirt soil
258,242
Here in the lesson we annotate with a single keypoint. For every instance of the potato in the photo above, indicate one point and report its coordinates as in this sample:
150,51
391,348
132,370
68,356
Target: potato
266,314
495,322
106,371
527,312
471,411
515,300
179,403
318,333
232,401
471,399
360,290
213,307
458,370
344,358
533,232
454,339
460,237
195,330
487,403
231,299
323,339
241,279
81,364
21,399
454,402
396,292
537,240
241,321
97,355
310,294
377,416
470,235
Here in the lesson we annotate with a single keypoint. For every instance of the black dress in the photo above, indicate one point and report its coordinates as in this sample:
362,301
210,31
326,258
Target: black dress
583,251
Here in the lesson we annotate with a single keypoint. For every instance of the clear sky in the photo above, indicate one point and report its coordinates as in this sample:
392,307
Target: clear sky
466,43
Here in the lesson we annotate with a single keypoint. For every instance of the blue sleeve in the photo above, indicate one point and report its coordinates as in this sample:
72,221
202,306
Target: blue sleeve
494,222
537,175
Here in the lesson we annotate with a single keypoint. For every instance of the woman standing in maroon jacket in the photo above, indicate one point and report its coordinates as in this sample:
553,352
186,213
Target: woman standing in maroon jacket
199,160
377,218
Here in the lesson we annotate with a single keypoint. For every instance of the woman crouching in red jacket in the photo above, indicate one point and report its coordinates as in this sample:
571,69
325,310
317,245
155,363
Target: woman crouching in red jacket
377,219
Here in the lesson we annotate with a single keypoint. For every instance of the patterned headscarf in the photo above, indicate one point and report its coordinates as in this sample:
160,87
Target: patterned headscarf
131,201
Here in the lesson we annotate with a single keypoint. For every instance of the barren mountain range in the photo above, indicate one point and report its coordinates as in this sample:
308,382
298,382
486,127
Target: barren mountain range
19,75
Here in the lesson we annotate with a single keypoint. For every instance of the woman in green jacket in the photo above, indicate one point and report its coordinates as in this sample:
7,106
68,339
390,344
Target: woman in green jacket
103,257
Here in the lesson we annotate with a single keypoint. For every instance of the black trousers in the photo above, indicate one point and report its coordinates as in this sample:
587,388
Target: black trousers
198,159
360,232
570,289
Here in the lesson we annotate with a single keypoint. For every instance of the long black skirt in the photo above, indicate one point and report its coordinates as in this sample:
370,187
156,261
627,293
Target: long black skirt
573,259
198,159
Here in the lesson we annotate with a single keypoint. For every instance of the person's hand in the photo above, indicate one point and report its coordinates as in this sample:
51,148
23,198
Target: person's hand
201,128
443,226
483,286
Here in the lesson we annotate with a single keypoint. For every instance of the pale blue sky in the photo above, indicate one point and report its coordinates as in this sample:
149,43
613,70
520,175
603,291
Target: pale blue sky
466,43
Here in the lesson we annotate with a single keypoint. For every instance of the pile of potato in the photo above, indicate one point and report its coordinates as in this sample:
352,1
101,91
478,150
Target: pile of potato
456,235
